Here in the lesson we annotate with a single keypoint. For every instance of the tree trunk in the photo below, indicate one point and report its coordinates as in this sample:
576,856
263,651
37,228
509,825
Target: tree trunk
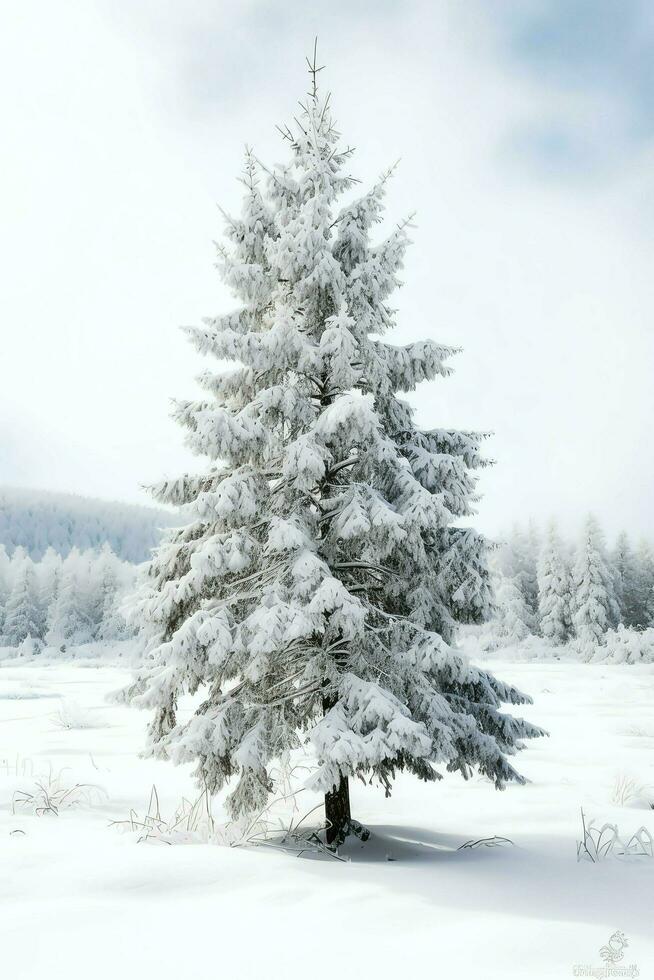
337,812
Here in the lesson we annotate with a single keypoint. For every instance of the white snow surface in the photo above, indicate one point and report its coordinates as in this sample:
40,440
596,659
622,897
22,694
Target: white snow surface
83,899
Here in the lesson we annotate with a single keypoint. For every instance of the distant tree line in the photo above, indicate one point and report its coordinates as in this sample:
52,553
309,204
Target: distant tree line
37,519
549,587
63,601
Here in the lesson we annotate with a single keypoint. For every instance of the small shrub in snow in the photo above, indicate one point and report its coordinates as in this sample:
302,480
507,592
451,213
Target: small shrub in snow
293,835
528,649
191,823
30,647
71,715
637,731
20,767
627,791
473,845
49,795
626,646
277,824
599,843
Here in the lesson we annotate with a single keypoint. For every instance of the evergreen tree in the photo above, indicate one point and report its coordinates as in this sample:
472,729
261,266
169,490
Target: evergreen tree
69,621
49,576
643,612
625,572
530,571
108,624
513,622
304,595
89,589
519,563
554,590
22,617
594,607
465,577
5,584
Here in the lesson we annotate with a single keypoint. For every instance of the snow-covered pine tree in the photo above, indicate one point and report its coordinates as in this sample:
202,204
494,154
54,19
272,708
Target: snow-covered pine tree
554,589
68,619
108,623
304,596
594,609
643,612
5,585
519,562
513,621
465,580
530,574
48,576
88,589
624,565
22,616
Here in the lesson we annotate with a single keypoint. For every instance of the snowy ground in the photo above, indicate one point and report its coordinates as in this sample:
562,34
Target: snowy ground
80,898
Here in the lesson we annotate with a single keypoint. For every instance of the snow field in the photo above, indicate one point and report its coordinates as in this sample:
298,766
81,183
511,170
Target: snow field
83,898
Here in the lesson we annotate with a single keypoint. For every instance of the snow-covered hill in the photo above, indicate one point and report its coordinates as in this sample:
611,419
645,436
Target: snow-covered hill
38,519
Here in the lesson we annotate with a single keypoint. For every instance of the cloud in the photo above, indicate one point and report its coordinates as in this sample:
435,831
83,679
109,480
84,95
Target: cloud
129,126
596,56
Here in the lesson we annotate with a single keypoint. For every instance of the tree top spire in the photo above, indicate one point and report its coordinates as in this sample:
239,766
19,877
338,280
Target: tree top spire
314,69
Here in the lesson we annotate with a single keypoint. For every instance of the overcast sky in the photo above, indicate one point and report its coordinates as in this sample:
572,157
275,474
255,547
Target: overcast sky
526,135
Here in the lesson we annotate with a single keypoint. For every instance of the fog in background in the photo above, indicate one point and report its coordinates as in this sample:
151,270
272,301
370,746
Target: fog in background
526,136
